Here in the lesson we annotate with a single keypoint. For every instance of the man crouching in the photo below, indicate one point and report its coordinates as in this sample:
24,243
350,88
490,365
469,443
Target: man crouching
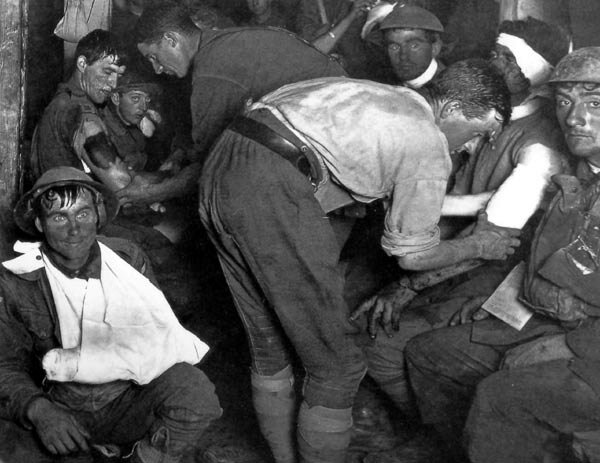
84,309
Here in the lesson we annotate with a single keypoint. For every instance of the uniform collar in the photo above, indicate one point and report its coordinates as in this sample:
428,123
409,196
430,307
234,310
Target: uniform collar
113,121
28,264
527,108
72,86
424,78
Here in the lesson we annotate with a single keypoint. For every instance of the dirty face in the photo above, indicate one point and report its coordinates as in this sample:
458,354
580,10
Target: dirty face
132,105
410,52
578,113
166,56
459,129
503,60
259,7
70,230
99,79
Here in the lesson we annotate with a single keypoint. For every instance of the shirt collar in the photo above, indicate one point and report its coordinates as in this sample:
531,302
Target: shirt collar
73,87
91,269
113,121
421,80
526,108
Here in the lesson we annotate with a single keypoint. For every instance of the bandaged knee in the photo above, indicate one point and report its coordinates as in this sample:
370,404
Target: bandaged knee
275,405
323,434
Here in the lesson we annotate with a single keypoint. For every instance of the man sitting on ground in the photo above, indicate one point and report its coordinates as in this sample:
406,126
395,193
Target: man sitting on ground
91,354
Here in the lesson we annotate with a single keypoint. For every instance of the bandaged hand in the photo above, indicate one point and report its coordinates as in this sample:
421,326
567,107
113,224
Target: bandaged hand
493,242
59,430
61,364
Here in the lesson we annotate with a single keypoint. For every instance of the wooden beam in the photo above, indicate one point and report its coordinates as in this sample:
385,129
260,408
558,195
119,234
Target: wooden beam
13,41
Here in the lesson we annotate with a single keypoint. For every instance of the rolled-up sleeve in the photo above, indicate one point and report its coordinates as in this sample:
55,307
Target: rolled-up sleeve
411,222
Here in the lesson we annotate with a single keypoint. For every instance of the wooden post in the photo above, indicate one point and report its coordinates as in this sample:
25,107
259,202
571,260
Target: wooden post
13,41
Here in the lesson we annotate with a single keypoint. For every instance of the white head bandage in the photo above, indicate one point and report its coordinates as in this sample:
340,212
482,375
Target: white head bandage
532,64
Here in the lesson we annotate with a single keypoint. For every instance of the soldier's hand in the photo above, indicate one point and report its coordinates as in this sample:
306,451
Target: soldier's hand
58,429
493,242
384,308
362,6
135,192
470,311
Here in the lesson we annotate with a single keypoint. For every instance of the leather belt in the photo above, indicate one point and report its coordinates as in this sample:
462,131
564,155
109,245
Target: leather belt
296,154
263,127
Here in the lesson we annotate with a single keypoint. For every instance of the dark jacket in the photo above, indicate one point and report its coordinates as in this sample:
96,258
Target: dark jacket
234,65
29,329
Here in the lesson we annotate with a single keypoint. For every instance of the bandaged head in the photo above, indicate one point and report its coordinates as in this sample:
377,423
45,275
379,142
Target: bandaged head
536,46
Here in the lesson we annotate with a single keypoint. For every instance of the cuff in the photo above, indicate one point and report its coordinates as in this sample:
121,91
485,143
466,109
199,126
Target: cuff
398,244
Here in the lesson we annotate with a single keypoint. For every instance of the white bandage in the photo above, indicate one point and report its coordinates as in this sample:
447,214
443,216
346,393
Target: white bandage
521,194
533,65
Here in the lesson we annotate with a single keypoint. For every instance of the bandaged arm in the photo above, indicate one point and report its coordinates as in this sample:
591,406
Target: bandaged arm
515,201
521,194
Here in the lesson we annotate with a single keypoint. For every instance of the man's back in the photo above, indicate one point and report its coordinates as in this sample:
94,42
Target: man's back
235,65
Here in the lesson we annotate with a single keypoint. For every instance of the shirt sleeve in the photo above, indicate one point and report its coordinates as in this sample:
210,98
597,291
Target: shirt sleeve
411,221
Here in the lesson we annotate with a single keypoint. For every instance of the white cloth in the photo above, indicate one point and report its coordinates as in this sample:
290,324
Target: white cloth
122,324
526,108
533,65
521,194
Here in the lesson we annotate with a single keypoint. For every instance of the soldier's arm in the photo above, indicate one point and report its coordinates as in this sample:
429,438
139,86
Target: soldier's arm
92,145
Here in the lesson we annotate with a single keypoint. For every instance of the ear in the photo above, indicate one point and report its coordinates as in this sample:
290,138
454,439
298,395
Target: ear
172,38
451,108
81,63
38,225
115,98
436,48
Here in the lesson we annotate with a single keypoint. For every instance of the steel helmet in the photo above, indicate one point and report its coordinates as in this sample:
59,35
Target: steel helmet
581,65
24,215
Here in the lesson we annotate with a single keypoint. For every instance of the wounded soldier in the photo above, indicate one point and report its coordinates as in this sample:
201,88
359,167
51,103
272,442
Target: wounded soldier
543,406
91,355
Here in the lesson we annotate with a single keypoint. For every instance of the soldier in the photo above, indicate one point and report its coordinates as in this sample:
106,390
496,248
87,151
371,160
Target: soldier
548,399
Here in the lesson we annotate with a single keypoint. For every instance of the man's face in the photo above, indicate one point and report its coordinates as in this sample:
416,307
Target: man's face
503,60
578,113
166,57
132,105
410,52
459,130
258,7
70,231
99,79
